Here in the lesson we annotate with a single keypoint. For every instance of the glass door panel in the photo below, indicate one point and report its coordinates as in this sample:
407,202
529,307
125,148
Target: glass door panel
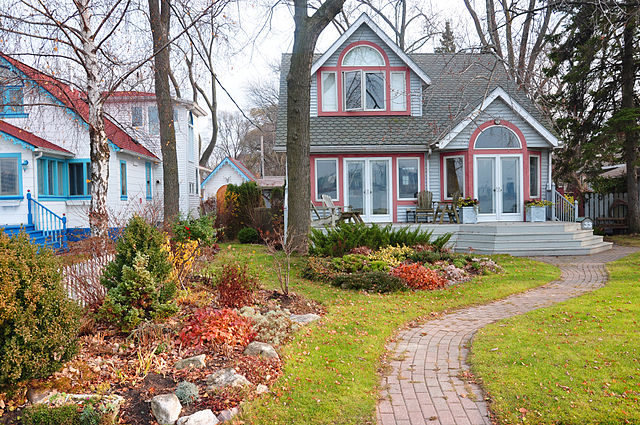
355,185
510,184
486,171
379,187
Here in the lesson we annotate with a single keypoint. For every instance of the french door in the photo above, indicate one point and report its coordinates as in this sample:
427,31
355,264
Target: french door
368,187
498,185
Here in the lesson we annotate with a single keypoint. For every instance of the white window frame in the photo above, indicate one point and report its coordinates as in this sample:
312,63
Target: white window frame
335,75
406,91
538,175
315,178
497,125
398,159
444,175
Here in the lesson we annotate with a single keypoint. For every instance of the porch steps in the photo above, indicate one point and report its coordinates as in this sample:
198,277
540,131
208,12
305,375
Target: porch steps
37,236
528,239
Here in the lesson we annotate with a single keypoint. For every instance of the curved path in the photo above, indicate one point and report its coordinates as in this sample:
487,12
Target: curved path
424,386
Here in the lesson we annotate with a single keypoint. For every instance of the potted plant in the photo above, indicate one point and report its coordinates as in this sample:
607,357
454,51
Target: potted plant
468,210
536,210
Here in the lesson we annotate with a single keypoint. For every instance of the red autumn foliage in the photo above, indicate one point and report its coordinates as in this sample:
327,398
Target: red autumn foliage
217,328
417,276
236,286
362,250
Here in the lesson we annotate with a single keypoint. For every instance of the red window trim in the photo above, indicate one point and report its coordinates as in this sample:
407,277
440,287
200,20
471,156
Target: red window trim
339,69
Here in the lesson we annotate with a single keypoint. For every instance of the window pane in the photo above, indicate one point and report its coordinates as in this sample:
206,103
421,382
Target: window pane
123,179
375,90
50,178
136,116
148,178
9,177
398,91
14,100
455,176
87,176
42,165
408,178
76,179
352,90
154,122
329,92
497,137
363,56
327,178
534,172
60,178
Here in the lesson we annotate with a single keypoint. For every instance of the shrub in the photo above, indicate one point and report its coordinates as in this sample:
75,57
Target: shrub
347,236
241,201
139,296
319,269
187,392
183,256
45,415
200,229
38,322
392,256
273,327
208,328
248,235
417,276
235,286
370,281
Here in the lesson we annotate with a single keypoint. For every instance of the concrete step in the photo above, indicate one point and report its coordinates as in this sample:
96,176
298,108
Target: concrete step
507,247
526,237
540,251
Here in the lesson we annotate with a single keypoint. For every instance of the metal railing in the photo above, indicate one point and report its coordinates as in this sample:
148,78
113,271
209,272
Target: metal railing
563,209
52,226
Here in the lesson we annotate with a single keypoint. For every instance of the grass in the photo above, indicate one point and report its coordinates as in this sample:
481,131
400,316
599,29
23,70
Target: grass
574,363
626,240
331,367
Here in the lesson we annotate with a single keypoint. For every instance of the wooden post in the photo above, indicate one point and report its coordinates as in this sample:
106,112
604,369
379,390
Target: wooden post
29,214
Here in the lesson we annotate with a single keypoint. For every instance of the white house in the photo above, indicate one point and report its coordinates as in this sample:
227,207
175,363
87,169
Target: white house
44,152
228,171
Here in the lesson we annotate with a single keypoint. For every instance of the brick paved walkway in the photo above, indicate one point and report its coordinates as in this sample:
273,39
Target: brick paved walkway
424,385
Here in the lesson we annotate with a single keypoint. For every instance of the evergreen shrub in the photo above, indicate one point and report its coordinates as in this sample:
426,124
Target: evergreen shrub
375,281
248,235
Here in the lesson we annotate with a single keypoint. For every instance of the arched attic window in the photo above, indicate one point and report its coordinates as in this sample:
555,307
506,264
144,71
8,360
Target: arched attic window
363,56
364,90
497,137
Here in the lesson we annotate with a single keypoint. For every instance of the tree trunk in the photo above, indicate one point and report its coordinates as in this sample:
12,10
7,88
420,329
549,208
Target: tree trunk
159,18
306,35
629,70
98,143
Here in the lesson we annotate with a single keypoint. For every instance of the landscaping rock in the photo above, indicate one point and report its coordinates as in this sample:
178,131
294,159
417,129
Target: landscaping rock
166,408
195,362
225,378
304,319
39,395
261,389
203,417
261,349
227,415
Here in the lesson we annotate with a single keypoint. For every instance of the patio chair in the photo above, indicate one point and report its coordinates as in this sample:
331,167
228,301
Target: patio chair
452,209
334,211
425,207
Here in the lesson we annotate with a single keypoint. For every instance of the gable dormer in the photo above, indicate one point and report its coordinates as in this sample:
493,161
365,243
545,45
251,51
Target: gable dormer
365,74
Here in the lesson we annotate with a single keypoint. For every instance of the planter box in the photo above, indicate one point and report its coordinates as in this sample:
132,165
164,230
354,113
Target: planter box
536,214
468,215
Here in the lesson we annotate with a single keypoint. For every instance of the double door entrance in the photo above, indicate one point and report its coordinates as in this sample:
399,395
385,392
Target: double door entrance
368,188
498,185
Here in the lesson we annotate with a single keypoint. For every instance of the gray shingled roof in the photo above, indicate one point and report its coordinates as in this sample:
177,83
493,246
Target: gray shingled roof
460,82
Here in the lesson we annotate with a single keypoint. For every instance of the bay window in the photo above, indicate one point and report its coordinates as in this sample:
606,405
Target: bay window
453,176
10,176
326,178
408,178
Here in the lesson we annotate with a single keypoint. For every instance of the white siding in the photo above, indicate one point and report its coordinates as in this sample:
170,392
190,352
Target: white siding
433,168
225,175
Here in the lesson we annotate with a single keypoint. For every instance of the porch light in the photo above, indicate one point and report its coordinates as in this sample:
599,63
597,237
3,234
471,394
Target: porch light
24,164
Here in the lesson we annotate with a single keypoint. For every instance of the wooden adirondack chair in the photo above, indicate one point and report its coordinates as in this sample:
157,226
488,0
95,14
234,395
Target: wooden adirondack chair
426,206
334,211
452,209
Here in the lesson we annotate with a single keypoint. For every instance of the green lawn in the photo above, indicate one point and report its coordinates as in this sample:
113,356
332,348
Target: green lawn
331,367
627,240
574,363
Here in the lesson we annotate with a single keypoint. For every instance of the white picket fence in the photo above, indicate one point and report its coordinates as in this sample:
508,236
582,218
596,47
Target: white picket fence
82,280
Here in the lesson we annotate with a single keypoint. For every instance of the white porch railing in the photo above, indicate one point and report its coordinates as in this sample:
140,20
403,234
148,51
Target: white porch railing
562,208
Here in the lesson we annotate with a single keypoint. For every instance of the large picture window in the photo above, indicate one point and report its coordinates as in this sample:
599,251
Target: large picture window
534,176
408,172
326,178
10,177
453,176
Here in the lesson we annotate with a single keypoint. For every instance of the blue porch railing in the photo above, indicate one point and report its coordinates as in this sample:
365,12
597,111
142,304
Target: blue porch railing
52,226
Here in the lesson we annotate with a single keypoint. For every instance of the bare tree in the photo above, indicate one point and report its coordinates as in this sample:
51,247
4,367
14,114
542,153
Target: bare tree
232,130
307,31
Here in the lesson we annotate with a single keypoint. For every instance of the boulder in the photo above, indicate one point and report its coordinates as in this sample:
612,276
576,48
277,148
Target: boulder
39,395
261,349
304,319
225,378
195,362
261,389
203,417
227,415
166,408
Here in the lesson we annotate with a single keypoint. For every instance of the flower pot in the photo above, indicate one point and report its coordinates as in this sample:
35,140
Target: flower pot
536,214
468,215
